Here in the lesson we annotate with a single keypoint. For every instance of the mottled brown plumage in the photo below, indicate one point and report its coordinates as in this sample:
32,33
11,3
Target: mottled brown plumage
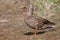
40,23
37,23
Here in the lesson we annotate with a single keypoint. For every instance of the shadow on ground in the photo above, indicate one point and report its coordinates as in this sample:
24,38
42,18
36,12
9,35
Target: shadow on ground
31,33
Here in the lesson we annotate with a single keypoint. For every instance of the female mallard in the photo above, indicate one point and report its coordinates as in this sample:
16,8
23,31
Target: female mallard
37,23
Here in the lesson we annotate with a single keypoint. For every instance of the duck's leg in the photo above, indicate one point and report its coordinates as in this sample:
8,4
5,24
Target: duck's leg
35,33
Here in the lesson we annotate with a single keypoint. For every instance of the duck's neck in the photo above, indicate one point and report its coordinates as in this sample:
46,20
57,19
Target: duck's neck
30,12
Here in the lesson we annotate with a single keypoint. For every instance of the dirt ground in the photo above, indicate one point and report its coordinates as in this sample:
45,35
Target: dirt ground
12,26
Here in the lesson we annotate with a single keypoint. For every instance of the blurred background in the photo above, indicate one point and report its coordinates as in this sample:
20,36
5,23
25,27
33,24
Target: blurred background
12,13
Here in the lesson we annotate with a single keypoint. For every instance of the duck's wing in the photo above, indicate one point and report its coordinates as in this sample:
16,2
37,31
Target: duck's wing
45,21
48,22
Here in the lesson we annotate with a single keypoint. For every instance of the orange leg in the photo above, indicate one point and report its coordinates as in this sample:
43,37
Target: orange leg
35,33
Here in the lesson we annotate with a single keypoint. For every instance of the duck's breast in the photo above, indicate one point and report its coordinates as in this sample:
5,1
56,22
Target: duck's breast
32,21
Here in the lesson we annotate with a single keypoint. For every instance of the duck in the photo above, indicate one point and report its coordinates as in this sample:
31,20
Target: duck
37,23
